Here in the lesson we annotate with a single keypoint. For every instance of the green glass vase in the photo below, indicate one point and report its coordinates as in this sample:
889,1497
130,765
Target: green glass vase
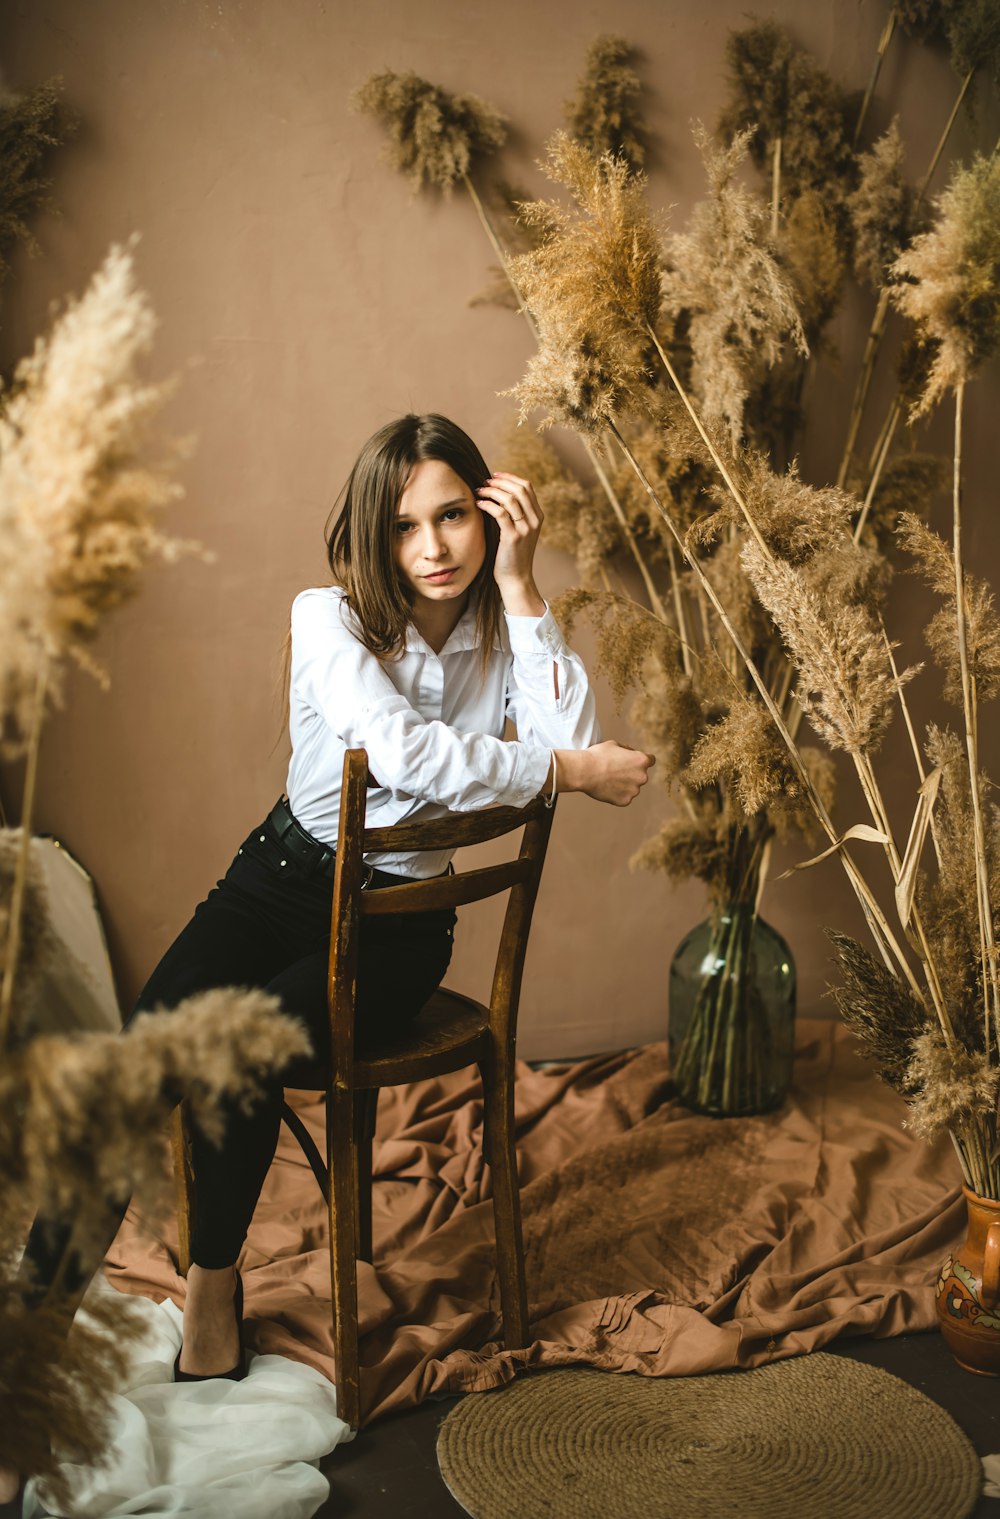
731,1032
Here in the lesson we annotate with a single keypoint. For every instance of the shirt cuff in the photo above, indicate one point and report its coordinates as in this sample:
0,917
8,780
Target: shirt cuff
535,635
530,774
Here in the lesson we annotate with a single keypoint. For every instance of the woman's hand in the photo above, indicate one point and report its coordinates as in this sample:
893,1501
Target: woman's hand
609,772
511,502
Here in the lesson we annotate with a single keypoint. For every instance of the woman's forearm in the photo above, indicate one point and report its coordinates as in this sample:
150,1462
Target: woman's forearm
608,771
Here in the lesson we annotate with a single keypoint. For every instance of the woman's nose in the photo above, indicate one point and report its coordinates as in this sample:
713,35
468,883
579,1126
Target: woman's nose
432,543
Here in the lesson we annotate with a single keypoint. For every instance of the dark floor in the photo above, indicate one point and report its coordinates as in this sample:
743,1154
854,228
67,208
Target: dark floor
390,1470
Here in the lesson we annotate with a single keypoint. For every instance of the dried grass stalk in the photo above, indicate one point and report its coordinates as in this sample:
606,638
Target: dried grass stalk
882,210
434,137
936,562
604,114
593,287
60,1385
954,1089
30,127
724,284
68,1148
775,87
627,635
845,685
81,486
879,1009
949,280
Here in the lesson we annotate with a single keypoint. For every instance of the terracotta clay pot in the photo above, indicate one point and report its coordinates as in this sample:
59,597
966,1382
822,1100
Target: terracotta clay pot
968,1291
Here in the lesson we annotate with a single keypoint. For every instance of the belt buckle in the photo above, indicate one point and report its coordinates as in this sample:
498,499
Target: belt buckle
369,877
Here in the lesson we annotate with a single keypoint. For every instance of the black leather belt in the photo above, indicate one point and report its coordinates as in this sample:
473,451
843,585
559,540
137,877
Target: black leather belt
315,857
321,859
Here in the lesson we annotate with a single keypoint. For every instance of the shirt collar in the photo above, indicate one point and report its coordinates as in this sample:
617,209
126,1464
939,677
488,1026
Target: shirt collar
461,637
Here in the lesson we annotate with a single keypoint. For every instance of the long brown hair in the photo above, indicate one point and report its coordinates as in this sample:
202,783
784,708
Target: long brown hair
360,544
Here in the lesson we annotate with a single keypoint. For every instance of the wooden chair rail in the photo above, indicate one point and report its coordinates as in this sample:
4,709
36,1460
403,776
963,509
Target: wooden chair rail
446,891
452,832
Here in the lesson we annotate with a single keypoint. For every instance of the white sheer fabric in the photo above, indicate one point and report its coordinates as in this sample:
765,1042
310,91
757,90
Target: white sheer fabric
207,1450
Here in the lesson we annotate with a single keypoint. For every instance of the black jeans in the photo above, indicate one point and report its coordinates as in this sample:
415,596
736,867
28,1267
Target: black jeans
267,924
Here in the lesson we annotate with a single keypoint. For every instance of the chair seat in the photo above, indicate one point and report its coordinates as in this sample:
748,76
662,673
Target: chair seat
449,1032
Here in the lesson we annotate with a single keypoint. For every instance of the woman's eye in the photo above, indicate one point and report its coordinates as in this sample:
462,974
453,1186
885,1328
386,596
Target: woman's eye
454,512
403,527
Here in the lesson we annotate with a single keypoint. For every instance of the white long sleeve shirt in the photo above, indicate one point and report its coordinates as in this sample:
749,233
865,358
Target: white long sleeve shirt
432,727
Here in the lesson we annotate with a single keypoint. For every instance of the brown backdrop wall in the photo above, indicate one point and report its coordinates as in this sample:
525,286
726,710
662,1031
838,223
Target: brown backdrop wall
304,298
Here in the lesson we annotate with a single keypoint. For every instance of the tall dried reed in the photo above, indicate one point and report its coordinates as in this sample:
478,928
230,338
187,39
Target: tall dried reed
83,481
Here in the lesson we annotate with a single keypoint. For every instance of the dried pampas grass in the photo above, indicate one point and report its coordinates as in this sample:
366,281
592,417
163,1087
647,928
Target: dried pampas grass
953,1088
82,1119
846,686
744,756
724,285
882,210
434,137
58,1385
603,115
683,848
936,563
879,1009
79,501
813,258
948,280
627,635
972,28
30,127
949,895
668,714
922,20
908,483
775,87
593,289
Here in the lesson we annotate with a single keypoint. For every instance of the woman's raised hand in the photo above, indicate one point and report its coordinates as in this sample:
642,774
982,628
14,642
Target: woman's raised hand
511,502
609,771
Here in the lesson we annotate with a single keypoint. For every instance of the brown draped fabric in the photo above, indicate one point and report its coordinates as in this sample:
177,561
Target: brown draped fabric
657,1241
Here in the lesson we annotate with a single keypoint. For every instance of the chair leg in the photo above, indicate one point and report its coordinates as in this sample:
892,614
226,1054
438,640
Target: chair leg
342,1161
365,1111
180,1144
498,1121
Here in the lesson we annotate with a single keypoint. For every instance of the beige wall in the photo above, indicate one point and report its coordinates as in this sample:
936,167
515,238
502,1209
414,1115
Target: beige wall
304,298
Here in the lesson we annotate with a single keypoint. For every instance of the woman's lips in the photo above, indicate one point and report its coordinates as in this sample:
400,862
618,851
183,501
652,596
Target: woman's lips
441,576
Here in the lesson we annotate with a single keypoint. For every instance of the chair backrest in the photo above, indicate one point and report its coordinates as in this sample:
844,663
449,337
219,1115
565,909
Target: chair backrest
519,876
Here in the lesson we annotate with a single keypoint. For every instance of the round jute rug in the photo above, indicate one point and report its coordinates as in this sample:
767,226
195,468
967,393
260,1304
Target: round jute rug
817,1437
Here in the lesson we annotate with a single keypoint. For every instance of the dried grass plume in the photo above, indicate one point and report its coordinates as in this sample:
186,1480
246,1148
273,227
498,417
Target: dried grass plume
881,210
67,1149
82,484
434,137
30,127
593,287
603,115
722,278
948,280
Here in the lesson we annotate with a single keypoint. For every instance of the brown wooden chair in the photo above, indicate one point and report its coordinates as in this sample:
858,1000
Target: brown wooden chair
451,1031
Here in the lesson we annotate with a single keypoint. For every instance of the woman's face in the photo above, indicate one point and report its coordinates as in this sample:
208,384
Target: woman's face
440,542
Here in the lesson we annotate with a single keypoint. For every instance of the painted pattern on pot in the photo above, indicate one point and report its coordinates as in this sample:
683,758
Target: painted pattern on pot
968,1291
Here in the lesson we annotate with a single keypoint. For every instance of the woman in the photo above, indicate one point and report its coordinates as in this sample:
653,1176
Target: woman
433,635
